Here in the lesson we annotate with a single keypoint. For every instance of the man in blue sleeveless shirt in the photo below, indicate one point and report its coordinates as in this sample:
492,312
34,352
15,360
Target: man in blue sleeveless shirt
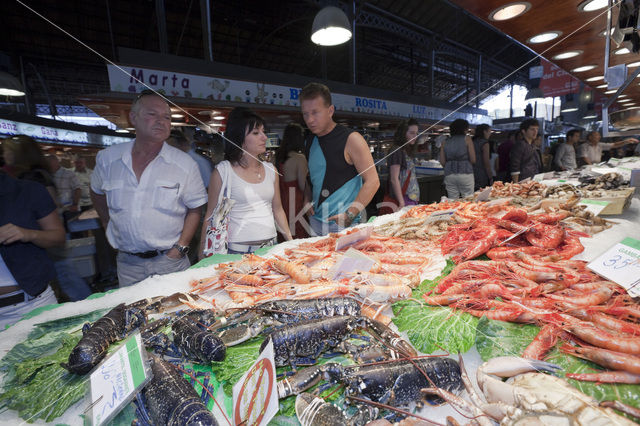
342,176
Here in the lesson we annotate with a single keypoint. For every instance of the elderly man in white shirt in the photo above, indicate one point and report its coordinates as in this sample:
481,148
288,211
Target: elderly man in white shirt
591,152
148,195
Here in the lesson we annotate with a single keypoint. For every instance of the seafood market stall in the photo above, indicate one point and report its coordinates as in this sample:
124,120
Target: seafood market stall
503,278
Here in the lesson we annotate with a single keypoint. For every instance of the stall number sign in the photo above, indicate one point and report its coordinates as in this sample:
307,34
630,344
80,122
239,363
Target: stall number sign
115,380
255,396
621,264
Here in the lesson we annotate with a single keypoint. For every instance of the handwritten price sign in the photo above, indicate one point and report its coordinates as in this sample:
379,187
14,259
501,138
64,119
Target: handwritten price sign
116,380
621,264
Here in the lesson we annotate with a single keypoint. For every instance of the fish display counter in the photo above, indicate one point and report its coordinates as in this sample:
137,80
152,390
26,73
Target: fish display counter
365,325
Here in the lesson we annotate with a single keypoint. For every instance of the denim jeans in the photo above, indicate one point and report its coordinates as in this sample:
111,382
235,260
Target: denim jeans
72,285
320,228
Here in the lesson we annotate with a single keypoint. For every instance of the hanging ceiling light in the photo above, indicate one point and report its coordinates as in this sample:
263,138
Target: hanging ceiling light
330,27
509,11
9,85
534,95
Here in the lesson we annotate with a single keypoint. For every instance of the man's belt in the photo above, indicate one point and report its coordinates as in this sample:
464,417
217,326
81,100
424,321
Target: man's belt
145,254
16,297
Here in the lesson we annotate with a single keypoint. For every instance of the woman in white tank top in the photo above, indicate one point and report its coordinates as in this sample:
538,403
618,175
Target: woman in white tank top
253,184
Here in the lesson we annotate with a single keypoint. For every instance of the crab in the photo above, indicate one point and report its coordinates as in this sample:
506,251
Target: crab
529,397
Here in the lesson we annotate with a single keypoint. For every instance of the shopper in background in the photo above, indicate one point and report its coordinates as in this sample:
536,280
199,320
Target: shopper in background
67,187
524,161
29,224
83,174
402,170
565,158
342,176
252,183
482,174
504,155
457,156
185,144
292,166
148,195
591,151
537,146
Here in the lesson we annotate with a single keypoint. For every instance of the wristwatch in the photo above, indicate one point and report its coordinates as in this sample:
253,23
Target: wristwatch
184,250
350,216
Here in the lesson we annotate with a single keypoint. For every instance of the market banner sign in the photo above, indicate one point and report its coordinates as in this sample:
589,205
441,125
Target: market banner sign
557,82
136,79
52,134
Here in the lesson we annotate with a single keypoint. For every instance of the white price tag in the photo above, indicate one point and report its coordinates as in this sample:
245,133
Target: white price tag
440,215
594,206
117,379
484,194
621,264
351,261
255,396
352,238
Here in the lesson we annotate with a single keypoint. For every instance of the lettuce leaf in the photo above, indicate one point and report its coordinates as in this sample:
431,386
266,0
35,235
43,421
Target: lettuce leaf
65,324
432,328
628,394
499,338
41,388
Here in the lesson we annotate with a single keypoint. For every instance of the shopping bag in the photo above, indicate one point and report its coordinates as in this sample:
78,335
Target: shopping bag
389,203
218,223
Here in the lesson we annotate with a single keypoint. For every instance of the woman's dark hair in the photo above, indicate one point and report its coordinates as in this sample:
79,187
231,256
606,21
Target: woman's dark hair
292,140
400,136
459,127
241,121
28,155
480,129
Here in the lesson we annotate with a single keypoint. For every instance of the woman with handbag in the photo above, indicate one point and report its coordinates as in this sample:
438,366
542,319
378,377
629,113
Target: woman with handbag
403,189
246,189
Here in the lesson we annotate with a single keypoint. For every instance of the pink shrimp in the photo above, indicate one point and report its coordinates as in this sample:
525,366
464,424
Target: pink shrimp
602,339
607,377
543,342
516,215
443,299
246,279
545,236
593,297
605,358
607,321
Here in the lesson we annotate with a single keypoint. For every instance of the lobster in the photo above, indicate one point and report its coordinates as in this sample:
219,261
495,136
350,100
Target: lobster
92,347
278,312
196,344
302,343
170,399
395,382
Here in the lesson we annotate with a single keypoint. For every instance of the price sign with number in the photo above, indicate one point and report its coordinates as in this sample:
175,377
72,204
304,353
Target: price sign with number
621,264
116,380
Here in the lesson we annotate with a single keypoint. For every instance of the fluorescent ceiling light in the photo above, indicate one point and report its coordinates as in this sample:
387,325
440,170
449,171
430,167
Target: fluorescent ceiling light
602,86
177,115
591,5
587,117
622,51
218,117
583,68
599,77
568,54
608,92
544,37
633,64
623,96
569,109
509,11
122,131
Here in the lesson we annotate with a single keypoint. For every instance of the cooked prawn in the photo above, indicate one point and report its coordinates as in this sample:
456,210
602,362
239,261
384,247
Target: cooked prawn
605,358
299,273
